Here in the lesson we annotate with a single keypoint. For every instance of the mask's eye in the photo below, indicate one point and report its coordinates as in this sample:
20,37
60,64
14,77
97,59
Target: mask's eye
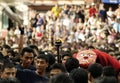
82,54
90,55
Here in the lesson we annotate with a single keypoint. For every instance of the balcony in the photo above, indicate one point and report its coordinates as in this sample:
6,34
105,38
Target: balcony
43,5
52,2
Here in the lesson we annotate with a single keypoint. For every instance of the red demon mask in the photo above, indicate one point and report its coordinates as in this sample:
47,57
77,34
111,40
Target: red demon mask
86,57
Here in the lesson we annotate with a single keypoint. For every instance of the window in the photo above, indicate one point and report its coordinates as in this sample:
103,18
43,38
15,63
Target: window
4,21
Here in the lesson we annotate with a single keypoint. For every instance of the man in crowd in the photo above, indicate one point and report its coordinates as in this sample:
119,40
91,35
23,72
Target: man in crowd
57,68
8,70
37,76
26,57
4,52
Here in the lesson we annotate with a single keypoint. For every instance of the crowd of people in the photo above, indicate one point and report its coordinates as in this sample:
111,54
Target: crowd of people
77,26
29,55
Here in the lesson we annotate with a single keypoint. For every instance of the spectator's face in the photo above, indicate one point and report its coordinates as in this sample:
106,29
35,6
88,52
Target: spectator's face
10,55
56,5
64,59
27,59
38,16
110,9
41,65
10,42
8,73
4,51
54,72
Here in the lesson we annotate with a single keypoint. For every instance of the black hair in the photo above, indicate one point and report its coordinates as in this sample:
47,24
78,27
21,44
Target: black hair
26,49
58,66
51,58
42,56
71,63
1,61
10,80
109,79
91,47
109,71
12,52
7,65
79,75
95,70
66,53
6,46
61,78
34,47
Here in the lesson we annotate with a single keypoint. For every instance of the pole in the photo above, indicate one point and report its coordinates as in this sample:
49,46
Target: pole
58,43
58,55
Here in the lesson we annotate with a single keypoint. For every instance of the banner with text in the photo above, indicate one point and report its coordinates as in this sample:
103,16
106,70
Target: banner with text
111,1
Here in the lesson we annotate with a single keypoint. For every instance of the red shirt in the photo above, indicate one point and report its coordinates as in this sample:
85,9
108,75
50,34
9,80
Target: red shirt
92,11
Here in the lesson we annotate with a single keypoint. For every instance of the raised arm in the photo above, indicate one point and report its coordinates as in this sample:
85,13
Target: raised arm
20,45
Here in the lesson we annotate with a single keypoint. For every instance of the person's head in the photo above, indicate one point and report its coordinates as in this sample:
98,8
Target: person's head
41,63
11,53
119,6
5,46
93,5
71,64
79,75
56,5
95,70
10,80
110,8
109,71
5,49
8,70
26,56
61,78
51,58
108,79
35,49
10,42
56,69
65,56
